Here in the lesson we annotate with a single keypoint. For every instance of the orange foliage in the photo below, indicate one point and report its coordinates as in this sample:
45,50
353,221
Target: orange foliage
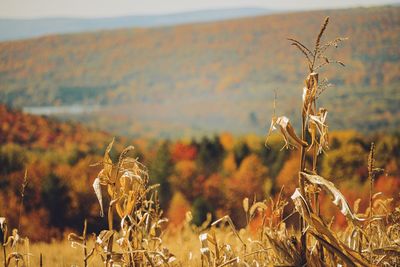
177,209
182,152
248,180
214,188
288,176
229,163
388,185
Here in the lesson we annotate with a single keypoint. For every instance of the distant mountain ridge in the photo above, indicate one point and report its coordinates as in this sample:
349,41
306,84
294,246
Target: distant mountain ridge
13,29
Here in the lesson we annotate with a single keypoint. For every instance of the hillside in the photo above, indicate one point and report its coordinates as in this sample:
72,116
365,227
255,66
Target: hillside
201,78
12,29
57,157
206,175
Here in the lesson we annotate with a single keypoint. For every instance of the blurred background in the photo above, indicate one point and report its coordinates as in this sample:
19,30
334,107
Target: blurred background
191,85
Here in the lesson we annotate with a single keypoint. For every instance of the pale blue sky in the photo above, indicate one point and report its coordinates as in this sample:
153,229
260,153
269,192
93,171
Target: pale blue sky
110,8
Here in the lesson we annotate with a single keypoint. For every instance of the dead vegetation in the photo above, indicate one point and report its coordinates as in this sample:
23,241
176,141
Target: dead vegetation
371,238
11,244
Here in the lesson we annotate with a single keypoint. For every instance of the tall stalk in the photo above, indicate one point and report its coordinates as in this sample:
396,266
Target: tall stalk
84,243
312,122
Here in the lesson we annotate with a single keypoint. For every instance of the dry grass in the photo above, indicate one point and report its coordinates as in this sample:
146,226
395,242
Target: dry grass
137,237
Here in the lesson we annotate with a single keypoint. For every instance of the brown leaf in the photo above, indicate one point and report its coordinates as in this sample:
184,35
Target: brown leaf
338,198
97,190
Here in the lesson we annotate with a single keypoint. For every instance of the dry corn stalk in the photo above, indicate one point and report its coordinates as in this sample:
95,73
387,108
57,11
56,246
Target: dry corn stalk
139,239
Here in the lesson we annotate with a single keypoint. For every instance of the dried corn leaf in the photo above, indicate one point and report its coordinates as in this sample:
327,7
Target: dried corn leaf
287,131
75,240
390,251
246,204
117,257
205,250
103,239
97,190
317,125
2,223
301,204
119,208
129,181
105,173
323,232
15,238
4,229
335,250
338,198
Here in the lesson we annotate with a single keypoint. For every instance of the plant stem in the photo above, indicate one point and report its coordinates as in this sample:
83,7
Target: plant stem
303,237
371,190
4,255
84,243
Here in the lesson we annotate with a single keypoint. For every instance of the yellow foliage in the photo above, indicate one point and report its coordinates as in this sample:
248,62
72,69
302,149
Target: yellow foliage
229,164
227,141
185,169
254,142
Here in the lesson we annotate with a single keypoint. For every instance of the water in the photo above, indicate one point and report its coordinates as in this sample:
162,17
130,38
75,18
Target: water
61,110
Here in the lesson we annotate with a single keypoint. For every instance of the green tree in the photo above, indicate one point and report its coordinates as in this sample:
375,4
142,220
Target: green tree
347,162
200,209
387,153
56,200
210,155
272,156
160,169
12,158
240,151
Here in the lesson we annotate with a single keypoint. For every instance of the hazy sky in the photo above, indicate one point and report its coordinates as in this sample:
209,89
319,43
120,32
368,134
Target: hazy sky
109,8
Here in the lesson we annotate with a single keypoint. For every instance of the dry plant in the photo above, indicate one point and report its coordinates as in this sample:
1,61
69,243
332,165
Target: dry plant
318,245
14,241
137,241
371,238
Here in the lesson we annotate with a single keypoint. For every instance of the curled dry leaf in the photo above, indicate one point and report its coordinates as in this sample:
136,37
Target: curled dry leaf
3,224
246,204
129,181
317,126
310,94
75,240
287,131
4,229
97,190
205,250
323,234
301,204
105,173
15,238
338,198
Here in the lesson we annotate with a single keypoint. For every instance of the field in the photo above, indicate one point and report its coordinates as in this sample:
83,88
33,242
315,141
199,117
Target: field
312,197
